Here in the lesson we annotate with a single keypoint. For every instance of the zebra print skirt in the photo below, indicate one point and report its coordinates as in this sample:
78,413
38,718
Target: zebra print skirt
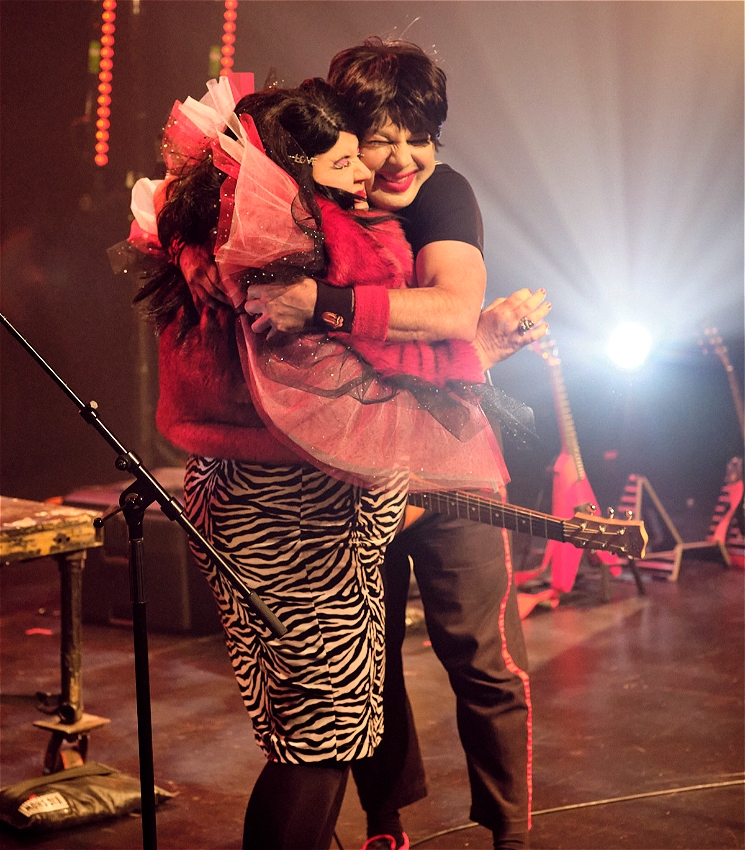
312,548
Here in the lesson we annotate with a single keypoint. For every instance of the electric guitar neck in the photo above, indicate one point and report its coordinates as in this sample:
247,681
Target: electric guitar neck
585,531
567,431
714,342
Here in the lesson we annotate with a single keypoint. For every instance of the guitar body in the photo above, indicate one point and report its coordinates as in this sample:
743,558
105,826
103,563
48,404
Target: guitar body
570,485
569,492
728,523
730,502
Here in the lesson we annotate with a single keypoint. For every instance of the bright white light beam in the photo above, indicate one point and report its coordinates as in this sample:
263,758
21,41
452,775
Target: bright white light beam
629,345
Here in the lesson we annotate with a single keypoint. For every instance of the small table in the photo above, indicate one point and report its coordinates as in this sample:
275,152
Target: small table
31,530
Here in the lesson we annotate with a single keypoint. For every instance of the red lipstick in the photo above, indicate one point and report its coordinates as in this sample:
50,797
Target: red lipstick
395,183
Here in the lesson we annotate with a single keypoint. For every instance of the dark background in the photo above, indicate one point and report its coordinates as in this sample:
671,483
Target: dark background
604,141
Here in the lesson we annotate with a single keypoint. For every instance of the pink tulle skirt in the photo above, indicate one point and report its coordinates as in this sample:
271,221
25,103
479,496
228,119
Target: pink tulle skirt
325,402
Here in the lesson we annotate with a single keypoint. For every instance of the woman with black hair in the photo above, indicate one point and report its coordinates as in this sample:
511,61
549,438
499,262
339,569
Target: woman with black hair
301,503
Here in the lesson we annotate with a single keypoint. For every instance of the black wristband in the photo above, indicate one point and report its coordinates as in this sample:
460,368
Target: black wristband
334,309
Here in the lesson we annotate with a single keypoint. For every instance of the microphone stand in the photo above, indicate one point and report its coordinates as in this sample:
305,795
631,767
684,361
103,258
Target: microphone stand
143,491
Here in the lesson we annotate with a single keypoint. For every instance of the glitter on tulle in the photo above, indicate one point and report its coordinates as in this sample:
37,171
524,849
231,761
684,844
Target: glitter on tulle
317,396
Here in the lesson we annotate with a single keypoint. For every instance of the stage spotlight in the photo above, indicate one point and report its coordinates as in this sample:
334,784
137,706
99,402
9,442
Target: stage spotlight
629,345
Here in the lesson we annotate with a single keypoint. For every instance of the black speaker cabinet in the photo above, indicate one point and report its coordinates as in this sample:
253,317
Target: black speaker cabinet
179,600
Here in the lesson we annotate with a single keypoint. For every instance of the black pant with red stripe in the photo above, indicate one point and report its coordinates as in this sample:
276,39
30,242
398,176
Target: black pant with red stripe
464,574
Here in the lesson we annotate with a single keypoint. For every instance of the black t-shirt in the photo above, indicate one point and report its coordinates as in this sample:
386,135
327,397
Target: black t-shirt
445,208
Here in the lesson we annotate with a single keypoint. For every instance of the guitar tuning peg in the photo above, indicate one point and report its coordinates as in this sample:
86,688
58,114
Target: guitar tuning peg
629,514
611,513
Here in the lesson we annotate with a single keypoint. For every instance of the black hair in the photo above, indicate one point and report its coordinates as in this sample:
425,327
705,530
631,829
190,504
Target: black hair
189,216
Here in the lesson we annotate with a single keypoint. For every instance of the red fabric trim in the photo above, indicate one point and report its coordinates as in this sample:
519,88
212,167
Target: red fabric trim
227,203
140,238
249,125
372,310
241,83
435,362
513,668
229,441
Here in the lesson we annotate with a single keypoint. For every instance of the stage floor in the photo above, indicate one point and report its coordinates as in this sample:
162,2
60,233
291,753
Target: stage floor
638,721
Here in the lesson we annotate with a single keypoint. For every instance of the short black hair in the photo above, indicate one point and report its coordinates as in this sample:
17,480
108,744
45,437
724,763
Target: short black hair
392,80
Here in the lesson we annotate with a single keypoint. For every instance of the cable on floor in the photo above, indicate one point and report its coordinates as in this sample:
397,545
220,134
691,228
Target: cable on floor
627,798
587,805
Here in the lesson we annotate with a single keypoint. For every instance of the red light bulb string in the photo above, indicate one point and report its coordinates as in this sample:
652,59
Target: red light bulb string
228,37
105,76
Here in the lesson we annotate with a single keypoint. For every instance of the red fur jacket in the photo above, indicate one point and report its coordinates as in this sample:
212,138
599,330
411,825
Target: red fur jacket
204,406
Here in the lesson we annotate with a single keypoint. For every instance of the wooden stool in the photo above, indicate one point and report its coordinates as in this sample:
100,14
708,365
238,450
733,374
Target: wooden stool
31,530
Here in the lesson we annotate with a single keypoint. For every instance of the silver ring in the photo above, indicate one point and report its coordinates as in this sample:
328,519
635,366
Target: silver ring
524,325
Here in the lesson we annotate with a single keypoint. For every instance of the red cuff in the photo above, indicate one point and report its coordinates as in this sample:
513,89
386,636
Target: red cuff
372,310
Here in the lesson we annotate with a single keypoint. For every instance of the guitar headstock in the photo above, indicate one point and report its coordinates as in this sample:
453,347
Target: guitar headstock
712,341
548,350
627,538
734,471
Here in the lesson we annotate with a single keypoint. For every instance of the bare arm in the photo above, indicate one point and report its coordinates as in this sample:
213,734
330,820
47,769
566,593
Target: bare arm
451,279
451,282
290,308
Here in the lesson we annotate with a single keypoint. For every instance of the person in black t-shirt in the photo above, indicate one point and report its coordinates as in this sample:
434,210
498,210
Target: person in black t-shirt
463,569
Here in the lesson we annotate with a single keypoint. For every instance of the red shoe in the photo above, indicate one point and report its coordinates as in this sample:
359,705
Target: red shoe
385,842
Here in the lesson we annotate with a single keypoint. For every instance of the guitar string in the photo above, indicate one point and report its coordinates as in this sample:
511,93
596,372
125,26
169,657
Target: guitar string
467,504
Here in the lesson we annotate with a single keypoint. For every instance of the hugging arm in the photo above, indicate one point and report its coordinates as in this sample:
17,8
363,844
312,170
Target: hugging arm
445,305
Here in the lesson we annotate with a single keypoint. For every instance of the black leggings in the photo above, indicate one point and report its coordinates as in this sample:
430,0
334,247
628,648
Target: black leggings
295,806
